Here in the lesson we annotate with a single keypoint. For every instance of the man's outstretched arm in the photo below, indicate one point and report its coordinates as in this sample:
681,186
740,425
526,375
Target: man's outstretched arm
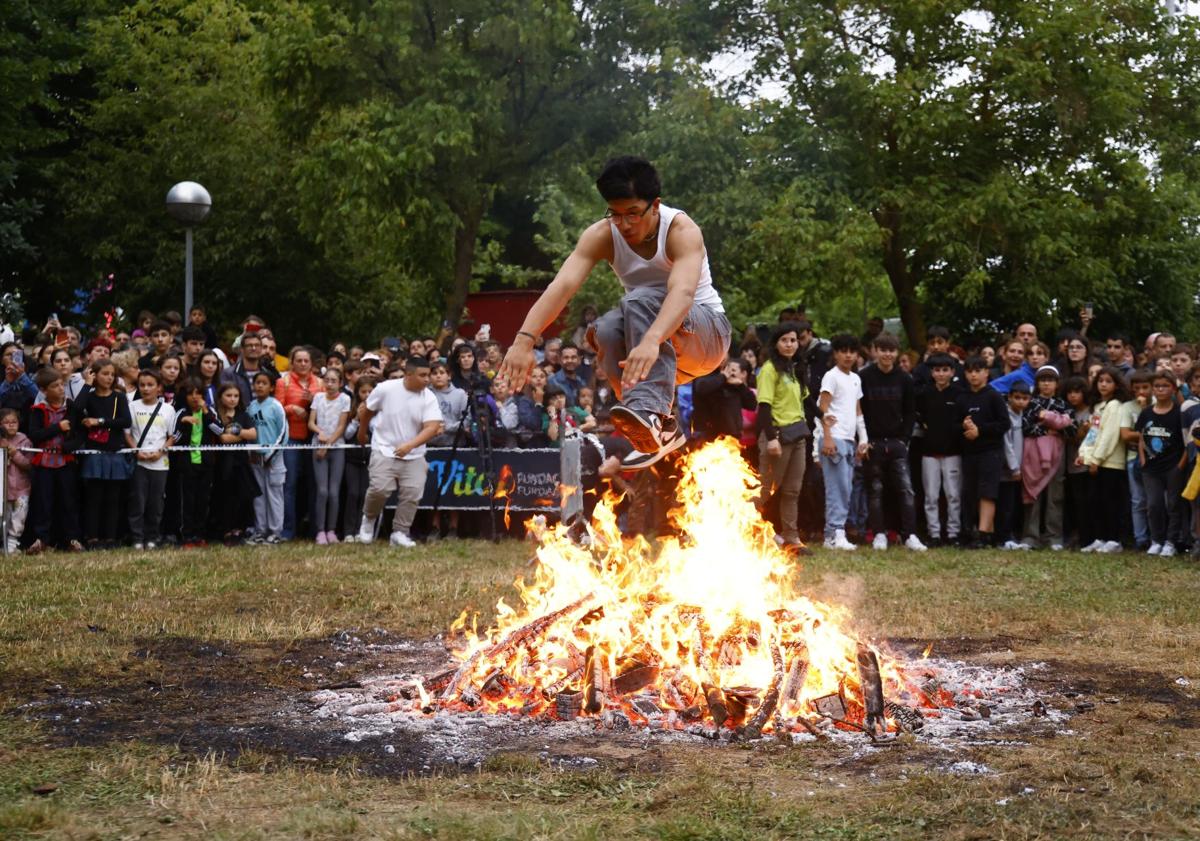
575,270
685,246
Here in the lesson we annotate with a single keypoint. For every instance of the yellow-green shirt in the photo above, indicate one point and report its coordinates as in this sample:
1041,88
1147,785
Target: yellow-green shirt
785,395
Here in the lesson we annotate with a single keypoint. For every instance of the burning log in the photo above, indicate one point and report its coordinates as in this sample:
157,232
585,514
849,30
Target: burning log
797,675
568,705
521,636
559,686
832,706
763,714
716,704
872,692
496,685
737,700
595,682
908,718
636,678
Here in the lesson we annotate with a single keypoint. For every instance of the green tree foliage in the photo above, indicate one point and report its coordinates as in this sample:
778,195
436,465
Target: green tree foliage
1015,158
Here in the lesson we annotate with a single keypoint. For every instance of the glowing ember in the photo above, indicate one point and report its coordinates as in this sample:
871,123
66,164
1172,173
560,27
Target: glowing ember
707,626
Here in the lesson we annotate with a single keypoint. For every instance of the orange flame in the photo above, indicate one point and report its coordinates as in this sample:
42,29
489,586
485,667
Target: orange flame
716,607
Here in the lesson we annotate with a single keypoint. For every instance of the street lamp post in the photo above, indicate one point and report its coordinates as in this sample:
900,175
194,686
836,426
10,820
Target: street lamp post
188,203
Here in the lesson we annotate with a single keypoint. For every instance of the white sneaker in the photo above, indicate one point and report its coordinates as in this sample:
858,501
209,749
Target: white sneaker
1024,546
399,538
840,542
1056,547
1155,549
1110,547
1010,545
670,440
914,543
366,531
137,547
880,542
1094,546
1168,550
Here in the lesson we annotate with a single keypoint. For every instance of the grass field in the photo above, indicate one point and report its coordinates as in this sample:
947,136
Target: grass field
1119,626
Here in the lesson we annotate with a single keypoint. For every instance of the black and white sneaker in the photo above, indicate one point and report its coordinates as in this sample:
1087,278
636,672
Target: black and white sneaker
645,430
672,439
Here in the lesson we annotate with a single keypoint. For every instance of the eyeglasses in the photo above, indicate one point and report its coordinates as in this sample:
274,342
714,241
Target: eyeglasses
627,218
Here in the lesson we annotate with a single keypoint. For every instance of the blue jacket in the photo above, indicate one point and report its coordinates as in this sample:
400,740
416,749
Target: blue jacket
1024,374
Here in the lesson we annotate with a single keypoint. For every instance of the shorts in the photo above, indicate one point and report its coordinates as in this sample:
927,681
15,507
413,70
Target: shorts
981,473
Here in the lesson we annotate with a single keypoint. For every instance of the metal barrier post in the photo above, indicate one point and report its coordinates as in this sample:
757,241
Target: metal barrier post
571,475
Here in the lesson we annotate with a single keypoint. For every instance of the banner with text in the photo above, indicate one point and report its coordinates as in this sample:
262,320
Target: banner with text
527,480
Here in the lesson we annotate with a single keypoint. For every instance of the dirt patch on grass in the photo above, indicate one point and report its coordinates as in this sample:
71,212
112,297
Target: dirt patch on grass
209,696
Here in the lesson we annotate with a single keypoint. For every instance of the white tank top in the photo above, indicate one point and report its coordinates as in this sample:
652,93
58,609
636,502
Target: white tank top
633,270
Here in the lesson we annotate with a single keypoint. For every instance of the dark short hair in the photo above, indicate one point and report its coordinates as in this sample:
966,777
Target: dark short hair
191,385
886,341
1019,387
258,374
937,332
192,333
629,177
197,308
158,326
568,346
1117,337
1075,383
940,360
46,377
172,317
1163,375
153,373
1140,376
415,363
803,325
975,363
844,341
551,390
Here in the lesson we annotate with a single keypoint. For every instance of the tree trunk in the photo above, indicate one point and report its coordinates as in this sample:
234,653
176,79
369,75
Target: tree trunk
902,276
465,236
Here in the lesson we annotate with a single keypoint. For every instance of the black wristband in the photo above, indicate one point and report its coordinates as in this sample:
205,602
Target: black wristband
532,337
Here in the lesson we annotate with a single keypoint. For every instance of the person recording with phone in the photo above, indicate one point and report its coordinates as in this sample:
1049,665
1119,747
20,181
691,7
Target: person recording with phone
17,390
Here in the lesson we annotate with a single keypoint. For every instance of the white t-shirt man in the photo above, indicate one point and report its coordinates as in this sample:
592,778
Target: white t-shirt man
845,389
156,437
400,415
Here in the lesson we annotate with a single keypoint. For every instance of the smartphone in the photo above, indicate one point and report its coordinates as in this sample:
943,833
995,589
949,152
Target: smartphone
62,338
1087,308
18,357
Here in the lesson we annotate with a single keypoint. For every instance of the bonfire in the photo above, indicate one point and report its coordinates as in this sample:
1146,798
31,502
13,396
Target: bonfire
704,630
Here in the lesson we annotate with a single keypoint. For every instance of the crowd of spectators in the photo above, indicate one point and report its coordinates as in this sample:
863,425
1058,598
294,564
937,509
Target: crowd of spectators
1018,444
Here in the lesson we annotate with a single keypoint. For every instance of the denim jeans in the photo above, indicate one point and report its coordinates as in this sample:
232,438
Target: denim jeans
1137,503
298,464
838,472
698,347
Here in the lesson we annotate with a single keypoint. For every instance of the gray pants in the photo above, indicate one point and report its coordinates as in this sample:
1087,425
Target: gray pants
942,475
406,478
328,475
783,474
268,505
147,490
699,346
1050,500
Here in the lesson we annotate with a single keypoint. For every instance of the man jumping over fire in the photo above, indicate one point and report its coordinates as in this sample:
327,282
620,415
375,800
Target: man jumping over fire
669,326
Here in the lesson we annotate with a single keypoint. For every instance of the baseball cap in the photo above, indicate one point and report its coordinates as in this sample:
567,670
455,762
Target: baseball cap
391,343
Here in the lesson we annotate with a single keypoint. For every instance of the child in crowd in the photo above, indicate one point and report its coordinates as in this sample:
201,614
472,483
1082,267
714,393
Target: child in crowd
985,420
152,420
327,422
1078,480
842,423
101,416
196,425
1047,421
941,459
1181,366
358,460
234,488
1104,456
55,488
1139,386
583,411
208,370
169,373
556,419
266,461
1162,456
451,399
1190,421
1008,500
17,485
